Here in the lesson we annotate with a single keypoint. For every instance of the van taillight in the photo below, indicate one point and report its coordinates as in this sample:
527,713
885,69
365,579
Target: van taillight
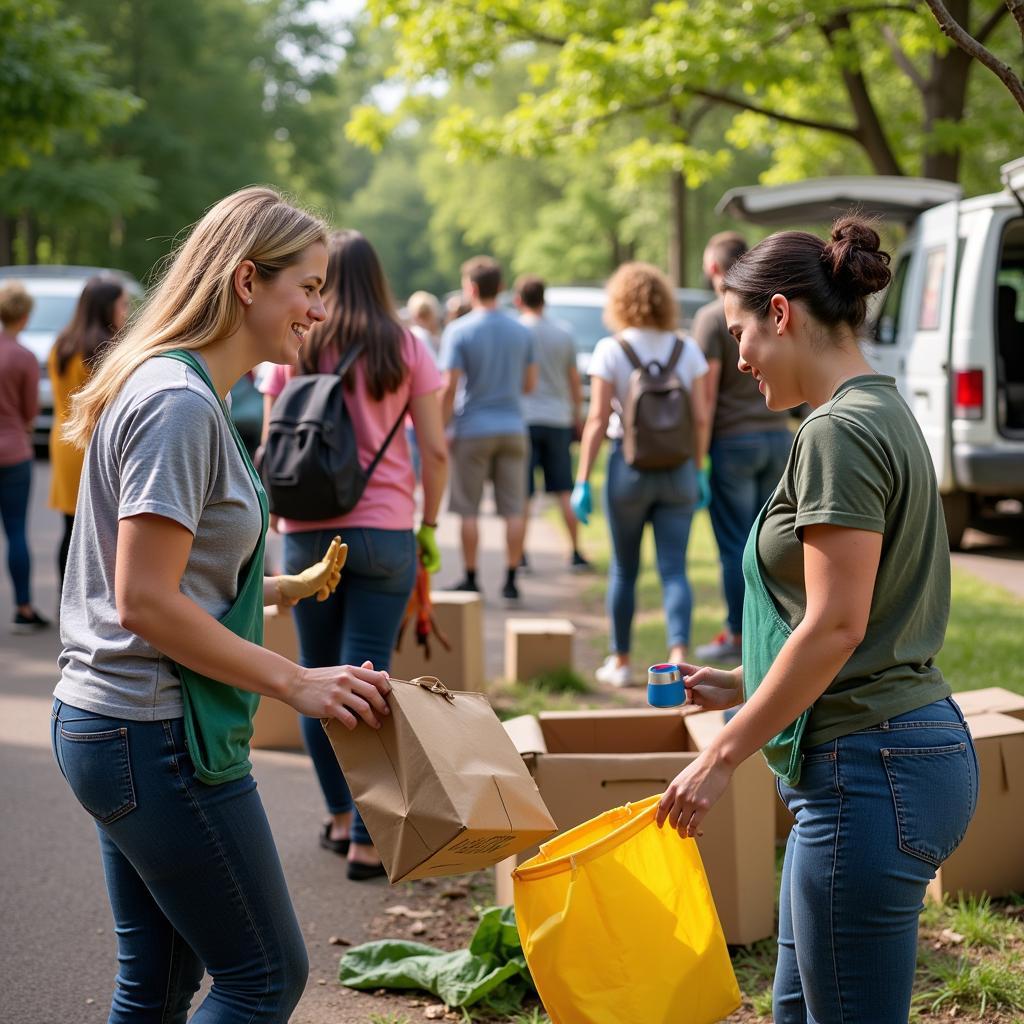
968,394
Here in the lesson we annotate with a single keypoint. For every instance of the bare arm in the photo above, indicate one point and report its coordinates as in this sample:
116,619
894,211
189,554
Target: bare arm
575,391
840,566
712,379
427,421
701,420
596,426
152,553
530,376
451,386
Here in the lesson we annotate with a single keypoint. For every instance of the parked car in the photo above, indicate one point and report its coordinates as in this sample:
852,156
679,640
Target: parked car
950,327
55,291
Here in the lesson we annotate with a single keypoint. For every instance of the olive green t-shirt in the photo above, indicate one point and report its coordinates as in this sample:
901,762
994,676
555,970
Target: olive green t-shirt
860,461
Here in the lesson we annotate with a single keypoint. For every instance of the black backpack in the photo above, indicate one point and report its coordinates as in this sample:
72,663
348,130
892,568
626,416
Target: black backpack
310,461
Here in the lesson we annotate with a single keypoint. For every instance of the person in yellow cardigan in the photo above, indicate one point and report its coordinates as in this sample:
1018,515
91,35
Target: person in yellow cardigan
101,312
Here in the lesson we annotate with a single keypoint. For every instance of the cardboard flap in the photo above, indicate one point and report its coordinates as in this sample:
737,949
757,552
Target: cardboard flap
989,725
635,731
991,699
526,734
704,726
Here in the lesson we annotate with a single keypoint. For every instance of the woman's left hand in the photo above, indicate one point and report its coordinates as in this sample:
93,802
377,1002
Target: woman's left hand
692,793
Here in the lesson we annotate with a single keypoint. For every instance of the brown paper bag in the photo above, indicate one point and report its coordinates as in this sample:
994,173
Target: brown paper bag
440,786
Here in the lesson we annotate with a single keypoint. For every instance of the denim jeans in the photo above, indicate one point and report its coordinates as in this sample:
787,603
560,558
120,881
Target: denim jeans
876,813
358,622
192,873
15,487
744,471
666,499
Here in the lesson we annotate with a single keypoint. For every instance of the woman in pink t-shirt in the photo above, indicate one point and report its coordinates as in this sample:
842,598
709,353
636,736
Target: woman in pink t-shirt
359,622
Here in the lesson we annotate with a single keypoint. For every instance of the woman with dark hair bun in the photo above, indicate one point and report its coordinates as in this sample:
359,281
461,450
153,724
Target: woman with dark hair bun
847,600
101,312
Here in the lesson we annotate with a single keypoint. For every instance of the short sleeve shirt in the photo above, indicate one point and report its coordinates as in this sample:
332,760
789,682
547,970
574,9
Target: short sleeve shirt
740,407
491,351
162,447
550,402
610,363
388,502
860,461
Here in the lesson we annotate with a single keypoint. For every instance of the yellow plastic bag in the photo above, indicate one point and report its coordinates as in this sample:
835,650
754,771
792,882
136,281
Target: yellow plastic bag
618,925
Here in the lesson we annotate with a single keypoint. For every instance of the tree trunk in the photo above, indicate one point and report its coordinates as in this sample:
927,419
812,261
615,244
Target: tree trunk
870,133
677,229
945,97
30,228
7,228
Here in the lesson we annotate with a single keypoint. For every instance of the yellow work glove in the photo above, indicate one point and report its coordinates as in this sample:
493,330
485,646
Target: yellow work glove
320,579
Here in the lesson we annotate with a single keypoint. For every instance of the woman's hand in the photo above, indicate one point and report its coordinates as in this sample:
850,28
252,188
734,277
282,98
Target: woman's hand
692,794
343,692
320,579
712,689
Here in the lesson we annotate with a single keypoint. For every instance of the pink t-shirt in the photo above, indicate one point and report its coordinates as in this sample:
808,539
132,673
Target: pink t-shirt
388,503
19,400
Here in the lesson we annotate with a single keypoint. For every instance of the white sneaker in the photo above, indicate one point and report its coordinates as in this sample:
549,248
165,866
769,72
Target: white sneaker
613,674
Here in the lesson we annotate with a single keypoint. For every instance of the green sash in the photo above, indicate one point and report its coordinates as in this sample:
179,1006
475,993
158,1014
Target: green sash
218,717
764,633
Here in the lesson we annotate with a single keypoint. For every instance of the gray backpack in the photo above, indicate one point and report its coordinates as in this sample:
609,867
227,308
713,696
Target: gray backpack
657,419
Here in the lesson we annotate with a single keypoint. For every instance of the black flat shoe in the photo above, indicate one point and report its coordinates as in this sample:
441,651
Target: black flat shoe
338,846
364,872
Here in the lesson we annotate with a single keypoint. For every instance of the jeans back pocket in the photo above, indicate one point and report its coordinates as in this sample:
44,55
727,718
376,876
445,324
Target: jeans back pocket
98,767
934,792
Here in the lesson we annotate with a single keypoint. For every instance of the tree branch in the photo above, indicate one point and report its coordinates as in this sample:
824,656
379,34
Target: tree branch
1015,7
526,31
952,28
775,115
903,62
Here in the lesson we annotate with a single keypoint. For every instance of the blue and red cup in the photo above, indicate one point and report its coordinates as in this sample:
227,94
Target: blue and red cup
665,686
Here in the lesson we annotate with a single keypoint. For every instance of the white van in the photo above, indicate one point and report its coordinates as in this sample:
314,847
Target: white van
950,327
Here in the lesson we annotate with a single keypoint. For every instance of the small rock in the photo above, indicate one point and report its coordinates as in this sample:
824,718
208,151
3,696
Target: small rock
416,1002
321,981
381,992
950,937
89,1001
435,1012
430,883
400,910
417,928
337,940
99,931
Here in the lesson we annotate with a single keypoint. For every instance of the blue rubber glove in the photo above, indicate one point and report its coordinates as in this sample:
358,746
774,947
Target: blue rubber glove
581,503
703,490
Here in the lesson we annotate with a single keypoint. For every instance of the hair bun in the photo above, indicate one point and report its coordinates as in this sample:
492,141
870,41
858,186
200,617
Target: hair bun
853,257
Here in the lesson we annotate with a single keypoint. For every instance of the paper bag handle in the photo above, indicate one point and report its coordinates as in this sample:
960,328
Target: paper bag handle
434,685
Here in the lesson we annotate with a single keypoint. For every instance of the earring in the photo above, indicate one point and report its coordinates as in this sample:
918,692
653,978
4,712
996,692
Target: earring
248,302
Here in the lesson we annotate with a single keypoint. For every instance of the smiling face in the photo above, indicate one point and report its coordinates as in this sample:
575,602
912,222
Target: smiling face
284,308
767,350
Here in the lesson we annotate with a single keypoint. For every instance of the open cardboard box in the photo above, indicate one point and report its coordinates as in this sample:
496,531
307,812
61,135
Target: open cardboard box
276,724
586,762
991,857
990,700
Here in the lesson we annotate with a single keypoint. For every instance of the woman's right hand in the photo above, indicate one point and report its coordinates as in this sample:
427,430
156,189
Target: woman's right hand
712,689
343,692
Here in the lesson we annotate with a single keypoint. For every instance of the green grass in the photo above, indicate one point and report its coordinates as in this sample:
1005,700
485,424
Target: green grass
561,680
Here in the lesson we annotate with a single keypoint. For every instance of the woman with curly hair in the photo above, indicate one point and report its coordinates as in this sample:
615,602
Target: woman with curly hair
641,309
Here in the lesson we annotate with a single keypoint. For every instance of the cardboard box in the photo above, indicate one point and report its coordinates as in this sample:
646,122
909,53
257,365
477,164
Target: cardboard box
991,857
460,616
276,725
536,646
586,762
990,700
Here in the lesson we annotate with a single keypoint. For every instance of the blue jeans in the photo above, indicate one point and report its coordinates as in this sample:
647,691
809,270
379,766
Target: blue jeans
666,499
357,623
192,873
15,486
744,471
876,813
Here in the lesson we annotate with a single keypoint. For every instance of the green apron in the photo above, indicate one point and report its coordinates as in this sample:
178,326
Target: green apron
218,717
764,633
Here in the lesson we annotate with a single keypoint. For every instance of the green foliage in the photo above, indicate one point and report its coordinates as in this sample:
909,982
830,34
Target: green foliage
973,985
561,680
51,80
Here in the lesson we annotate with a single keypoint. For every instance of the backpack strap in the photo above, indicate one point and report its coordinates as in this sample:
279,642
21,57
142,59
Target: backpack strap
677,351
630,353
348,359
387,440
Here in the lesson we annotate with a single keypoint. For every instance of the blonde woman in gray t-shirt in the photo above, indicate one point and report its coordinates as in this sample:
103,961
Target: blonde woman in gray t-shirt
161,623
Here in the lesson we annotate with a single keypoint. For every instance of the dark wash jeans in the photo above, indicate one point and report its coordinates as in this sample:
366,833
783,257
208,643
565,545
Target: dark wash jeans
357,623
192,873
15,488
876,813
745,469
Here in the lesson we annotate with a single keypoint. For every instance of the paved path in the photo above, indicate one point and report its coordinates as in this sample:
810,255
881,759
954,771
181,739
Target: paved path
57,953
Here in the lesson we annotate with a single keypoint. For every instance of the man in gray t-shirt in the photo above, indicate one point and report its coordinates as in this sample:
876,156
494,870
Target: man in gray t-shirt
552,409
749,445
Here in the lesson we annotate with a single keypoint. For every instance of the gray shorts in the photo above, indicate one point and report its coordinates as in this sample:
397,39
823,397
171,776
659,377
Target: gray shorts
500,459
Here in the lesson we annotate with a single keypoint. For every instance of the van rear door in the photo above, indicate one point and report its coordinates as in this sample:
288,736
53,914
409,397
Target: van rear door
927,319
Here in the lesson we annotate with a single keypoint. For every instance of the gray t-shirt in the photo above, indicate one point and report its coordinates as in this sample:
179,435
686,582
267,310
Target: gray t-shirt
163,446
740,408
550,402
